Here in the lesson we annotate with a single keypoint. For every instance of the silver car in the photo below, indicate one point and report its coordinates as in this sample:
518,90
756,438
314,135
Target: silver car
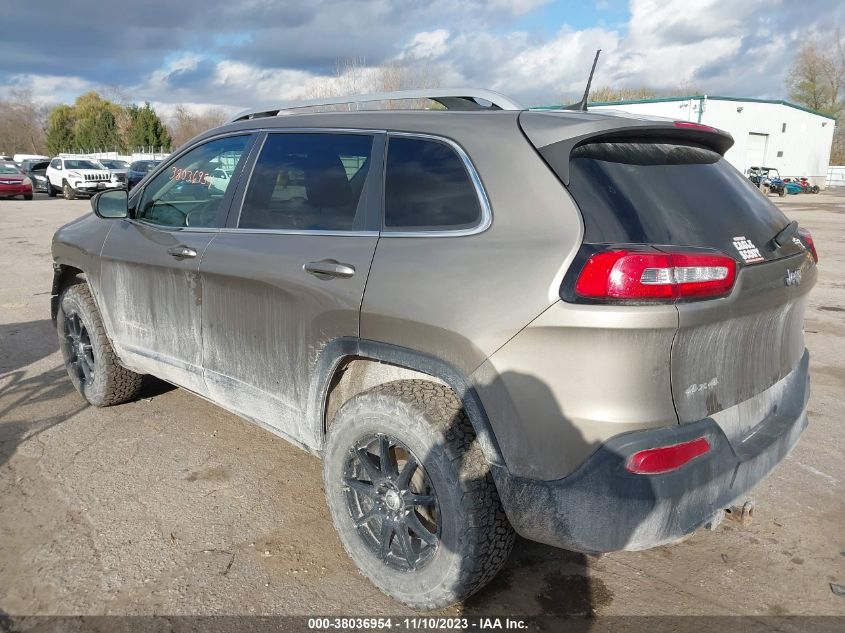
582,328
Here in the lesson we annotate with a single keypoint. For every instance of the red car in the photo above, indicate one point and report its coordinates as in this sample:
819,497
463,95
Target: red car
13,182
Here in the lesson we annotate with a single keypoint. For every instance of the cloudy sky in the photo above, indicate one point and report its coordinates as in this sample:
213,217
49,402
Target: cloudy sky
236,53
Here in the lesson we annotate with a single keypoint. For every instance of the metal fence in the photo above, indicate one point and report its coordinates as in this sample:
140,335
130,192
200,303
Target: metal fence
141,154
835,176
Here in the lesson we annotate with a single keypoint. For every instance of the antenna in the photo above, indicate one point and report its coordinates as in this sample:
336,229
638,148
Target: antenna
582,105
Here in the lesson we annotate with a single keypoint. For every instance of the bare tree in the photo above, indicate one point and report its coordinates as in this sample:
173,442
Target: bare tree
185,124
610,93
817,80
352,76
22,124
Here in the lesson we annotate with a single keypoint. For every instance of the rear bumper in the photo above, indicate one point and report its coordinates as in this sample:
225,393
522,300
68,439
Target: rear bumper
601,507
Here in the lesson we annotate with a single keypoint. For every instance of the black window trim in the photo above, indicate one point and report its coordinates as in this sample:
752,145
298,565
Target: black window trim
378,154
137,194
486,217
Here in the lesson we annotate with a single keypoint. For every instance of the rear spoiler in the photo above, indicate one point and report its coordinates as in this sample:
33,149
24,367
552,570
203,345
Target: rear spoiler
556,135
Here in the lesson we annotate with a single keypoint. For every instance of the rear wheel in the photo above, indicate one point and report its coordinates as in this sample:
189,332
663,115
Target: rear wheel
411,495
68,191
27,197
89,358
51,190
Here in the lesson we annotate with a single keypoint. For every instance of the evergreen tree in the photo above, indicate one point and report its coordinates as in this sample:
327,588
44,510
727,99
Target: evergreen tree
146,128
60,130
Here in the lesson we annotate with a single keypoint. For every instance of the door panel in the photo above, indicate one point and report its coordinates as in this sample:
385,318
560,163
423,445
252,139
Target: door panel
265,320
151,298
288,276
150,265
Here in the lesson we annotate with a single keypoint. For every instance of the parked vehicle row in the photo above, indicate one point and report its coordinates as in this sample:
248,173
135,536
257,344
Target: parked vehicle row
70,176
768,180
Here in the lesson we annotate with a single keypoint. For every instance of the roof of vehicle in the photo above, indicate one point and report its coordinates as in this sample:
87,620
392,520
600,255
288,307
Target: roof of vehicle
435,121
468,118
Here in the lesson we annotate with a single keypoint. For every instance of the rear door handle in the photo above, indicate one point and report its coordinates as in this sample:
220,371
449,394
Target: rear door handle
329,268
182,252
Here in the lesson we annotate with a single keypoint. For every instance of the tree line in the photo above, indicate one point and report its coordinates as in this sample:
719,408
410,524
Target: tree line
94,123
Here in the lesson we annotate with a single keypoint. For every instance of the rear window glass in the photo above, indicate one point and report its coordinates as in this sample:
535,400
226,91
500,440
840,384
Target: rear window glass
669,193
309,182
427,187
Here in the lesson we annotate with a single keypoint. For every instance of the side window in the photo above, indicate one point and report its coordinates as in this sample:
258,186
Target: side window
308,182
190,190
427,188
56,164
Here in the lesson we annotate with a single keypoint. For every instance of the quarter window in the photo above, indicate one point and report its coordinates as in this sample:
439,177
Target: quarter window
427,187
190,191
308,182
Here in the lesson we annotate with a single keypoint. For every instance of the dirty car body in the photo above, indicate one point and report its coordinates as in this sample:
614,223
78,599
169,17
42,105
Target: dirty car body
605,295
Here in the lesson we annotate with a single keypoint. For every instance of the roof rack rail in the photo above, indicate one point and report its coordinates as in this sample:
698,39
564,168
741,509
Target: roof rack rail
450,98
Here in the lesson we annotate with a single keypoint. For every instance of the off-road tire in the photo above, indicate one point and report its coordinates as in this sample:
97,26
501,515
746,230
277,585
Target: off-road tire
68,191
475,535
111,383
51,190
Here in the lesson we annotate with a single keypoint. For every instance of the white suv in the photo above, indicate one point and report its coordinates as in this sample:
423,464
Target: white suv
74,176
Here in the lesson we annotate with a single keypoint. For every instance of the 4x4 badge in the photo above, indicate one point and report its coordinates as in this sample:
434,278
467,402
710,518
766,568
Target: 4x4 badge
793,277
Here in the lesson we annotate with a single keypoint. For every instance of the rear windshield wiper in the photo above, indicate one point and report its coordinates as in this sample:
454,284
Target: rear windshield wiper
785,234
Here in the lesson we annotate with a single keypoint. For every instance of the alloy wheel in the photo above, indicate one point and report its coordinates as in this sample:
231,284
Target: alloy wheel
80,350
392,502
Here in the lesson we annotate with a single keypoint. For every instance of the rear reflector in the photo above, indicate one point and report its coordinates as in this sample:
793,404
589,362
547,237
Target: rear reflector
808,239
653,461
655,275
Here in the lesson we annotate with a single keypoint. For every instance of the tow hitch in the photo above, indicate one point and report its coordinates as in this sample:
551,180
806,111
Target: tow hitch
743,514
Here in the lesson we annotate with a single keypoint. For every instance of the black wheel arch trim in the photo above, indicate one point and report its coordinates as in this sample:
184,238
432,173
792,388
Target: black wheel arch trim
62,273
341,349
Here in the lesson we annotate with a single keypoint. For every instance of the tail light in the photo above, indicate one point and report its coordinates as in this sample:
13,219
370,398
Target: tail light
653,461
808,238
652,275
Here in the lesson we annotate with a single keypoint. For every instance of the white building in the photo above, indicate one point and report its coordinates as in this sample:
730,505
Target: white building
792,138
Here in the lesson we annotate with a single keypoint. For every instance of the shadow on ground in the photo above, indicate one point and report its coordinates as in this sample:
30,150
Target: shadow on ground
22,344
22,397
541,580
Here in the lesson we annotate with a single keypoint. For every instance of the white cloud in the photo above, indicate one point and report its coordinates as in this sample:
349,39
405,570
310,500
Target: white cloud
427,45
49,89
665,44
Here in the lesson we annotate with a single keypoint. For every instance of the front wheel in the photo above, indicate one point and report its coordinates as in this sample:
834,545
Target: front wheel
90,361
411,494
68,191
